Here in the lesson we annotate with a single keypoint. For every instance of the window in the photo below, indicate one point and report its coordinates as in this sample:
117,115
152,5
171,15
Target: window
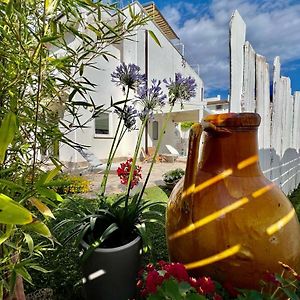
155,130
219,106
102,124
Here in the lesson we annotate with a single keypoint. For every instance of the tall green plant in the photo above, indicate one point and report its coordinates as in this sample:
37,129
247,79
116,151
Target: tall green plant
41,76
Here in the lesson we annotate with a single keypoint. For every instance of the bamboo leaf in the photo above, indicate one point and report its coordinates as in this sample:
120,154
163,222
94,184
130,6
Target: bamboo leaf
38,227
29,242
12,212
11,185
21,270
42,208
7,132
38,268
6,235
9,7
49,194
50,175
50,6
154,37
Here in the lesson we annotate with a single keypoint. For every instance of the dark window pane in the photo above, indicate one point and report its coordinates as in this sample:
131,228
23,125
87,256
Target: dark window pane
102,124
155,130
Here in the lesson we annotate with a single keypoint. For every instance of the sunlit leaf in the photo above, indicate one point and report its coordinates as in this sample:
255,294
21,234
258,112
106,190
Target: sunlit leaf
12,212
6,235
42,208
29,242
50,6
49,194
38,227
7,132
154,37
21,270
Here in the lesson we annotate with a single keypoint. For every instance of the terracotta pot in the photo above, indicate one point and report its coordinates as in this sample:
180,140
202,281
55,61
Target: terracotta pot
225,219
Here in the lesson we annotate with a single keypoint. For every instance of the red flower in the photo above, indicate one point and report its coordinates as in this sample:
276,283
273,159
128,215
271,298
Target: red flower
139,284
153,280
232,291
124,170
270,277
206,285
193,282
150,267
217,297
176,270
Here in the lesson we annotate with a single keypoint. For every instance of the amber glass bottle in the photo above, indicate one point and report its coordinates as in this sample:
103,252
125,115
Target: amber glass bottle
225,219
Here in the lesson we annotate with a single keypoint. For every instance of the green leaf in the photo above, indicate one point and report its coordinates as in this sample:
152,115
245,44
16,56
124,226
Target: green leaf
38,227
12,281
1,289
195,297
11,185
47,39
12,212
38,268
50,6
21,270
6,235
50,194
29,242
154,37
9,7
171,289
7,132
49,176
108,231
292,295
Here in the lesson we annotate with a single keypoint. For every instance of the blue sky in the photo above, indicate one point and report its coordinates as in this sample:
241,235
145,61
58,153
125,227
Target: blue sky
273,28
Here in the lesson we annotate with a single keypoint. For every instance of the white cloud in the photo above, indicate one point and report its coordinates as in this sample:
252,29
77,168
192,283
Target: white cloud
273,28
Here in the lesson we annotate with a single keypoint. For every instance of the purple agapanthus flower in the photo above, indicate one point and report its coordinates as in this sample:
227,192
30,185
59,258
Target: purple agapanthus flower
181,89
128,76
128,114
150,98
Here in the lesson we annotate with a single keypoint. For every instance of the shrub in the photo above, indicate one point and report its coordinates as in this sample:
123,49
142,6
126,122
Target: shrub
185,126
173,176
67,184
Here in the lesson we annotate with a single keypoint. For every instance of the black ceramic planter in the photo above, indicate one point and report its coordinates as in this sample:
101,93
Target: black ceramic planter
110,273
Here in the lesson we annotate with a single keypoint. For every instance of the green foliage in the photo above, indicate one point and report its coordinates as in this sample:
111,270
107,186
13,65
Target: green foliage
186,125
172,289
38,85
173,176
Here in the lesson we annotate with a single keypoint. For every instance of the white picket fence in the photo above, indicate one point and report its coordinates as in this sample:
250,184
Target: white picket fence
251,91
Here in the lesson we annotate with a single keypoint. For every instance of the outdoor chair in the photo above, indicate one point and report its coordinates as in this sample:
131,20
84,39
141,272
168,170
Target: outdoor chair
148,157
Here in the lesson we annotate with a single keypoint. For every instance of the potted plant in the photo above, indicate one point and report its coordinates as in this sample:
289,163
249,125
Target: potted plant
172,177
112,234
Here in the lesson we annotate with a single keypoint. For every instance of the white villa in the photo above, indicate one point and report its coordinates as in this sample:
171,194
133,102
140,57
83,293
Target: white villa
157,63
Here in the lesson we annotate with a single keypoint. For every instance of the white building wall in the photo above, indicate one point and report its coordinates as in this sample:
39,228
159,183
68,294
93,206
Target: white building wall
163,62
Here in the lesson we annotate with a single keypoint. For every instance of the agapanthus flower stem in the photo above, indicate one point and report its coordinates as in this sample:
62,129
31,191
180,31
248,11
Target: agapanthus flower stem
134,159
112,151
161,134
